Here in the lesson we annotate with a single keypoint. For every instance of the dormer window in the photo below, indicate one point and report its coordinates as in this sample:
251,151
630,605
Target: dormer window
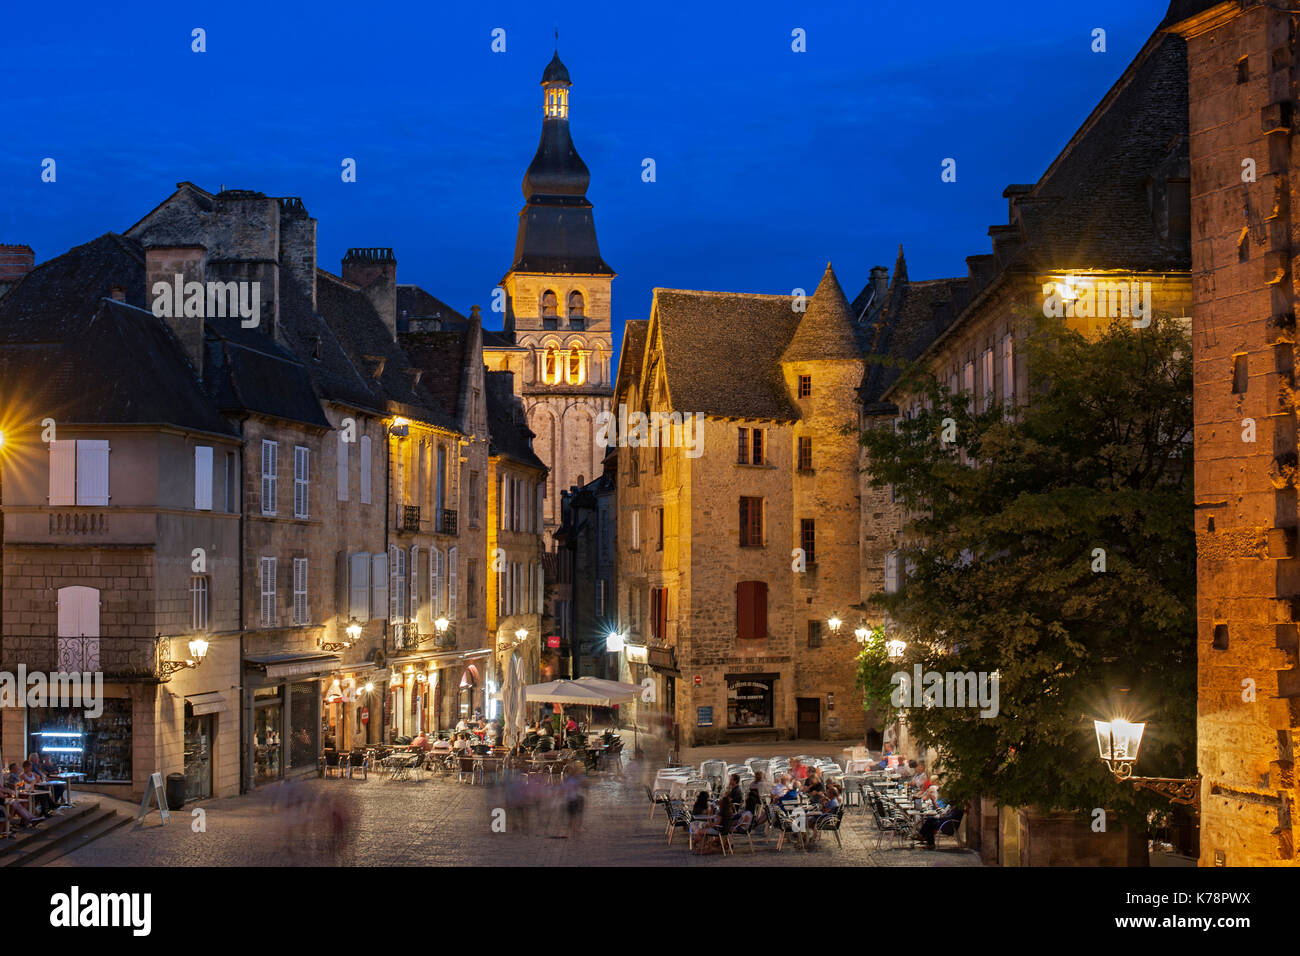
577,317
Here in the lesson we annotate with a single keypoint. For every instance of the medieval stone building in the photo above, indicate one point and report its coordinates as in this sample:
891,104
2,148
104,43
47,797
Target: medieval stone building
1242,76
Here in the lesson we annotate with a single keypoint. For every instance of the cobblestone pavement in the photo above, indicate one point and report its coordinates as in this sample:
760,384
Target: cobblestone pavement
437,822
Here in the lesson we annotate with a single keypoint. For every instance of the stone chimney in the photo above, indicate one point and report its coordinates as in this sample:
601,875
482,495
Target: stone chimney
297,256
374,270
15,262
162,265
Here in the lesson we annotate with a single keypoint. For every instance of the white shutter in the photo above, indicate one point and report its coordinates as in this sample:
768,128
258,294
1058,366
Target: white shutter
1008,369
541,588
891,572
300,590
203,477
379,586
63,472
92,472
359,586
270,474
301,482
69,603
413,605
342,473
451,583
503,499
541,505
636,530
365,469
435,584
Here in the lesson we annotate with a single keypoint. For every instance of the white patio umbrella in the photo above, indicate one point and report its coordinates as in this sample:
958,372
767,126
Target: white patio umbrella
572,692
516,721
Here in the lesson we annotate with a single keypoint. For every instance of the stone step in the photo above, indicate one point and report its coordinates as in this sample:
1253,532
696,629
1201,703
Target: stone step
96,825
52,831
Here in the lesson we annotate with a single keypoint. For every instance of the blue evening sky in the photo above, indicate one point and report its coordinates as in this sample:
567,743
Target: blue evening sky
769,162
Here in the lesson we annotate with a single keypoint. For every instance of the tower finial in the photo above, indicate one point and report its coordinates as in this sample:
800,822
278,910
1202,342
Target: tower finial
557,40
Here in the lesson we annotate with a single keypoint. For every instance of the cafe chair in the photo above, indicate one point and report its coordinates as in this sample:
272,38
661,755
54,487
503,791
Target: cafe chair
656,797
949,828
332,764
357,762
830,823
679,818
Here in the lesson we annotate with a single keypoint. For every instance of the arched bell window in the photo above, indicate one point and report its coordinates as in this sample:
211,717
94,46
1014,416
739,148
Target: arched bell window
551,367
550,309
575,372
577,315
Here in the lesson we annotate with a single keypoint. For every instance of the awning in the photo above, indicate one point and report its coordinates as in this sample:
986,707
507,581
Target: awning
294,665
201,704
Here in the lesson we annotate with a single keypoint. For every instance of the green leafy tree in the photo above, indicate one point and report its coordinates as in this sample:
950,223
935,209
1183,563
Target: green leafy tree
1053,547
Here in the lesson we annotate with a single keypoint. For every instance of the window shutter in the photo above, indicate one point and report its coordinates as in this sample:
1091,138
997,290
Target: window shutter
435,583
395,584
301,481
760,610
379,586
541,589
541,505
365,469
63,472
359,586
501,594
414,600
342,475
203,477
451,584
745,610
92,473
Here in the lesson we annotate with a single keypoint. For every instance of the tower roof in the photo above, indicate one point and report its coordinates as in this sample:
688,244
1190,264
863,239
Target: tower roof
555,72
826,329
557,233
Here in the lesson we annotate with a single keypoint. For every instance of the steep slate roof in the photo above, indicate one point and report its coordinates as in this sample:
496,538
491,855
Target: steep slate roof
246,370
1091,208
1180,10
721,352
509,434
629,360
361,332
414,303
442,355
81,358
826,330
914,315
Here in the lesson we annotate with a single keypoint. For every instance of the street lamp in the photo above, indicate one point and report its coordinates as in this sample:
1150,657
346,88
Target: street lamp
834,624
1118,743
353,631
895,648
521,635
862,634
614,642
198,651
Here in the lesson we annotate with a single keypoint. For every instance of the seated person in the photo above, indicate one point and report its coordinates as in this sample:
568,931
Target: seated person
814,786
930,825
701,805
785,791
921,779
17,808
831,799
420,741
886,757
733,790
545,744
461,745
29,779
757,785
442,745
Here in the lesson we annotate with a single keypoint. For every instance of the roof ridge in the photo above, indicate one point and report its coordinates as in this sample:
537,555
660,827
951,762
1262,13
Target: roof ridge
718,292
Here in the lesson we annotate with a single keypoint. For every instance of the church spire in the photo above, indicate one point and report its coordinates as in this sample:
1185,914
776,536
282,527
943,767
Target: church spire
556,231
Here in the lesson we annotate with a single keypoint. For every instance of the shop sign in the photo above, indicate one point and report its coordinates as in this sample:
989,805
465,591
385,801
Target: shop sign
553,640
636,654
365,715
704,717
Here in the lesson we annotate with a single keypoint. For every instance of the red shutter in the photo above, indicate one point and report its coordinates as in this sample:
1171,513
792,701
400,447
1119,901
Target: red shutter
760,610
745,610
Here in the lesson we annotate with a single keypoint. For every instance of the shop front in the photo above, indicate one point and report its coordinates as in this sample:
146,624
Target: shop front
203,715
283,704
352,708
99,747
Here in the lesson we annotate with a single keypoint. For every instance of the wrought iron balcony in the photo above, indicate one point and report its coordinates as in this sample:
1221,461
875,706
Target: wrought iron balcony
117,658
448,523
408,518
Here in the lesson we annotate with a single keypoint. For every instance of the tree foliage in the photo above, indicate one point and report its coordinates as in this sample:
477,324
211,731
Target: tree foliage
1011,523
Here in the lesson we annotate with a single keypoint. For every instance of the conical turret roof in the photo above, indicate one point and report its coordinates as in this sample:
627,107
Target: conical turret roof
826,329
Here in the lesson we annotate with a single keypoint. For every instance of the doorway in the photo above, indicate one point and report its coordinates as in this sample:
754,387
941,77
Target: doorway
809,710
